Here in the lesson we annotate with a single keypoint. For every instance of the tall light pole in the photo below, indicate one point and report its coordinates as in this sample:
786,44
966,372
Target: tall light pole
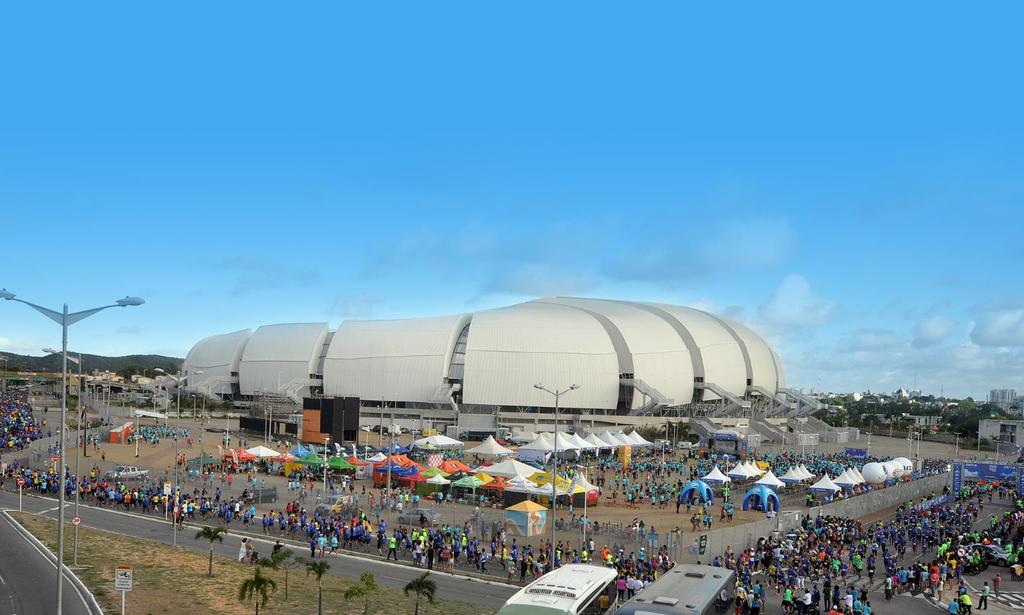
957,452
78,450
554,471
3,381
178,381
65,319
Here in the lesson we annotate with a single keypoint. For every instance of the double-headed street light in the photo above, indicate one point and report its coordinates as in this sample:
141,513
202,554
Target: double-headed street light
554,471
78,450
65,320
178,380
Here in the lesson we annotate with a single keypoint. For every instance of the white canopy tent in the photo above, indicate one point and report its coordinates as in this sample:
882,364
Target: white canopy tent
716,476
754,469
263,452
609,439
523,437
437,441
802,469
770,480
638,440
438,480
509,468
490,448
860,477
741,472
597,442
825,484
792,476
520,482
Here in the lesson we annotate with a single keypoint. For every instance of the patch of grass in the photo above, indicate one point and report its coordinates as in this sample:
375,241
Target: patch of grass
173,580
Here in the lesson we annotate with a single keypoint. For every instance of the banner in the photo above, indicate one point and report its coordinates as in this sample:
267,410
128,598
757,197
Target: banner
857,453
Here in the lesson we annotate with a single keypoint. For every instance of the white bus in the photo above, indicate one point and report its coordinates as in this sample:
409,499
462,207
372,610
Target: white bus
686,589
575,589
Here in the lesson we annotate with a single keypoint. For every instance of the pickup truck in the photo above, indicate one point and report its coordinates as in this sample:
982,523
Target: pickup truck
125,473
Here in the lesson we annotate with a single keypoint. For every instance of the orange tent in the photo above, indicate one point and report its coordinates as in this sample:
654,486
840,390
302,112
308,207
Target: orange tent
357,461
454,465
498,483
244,455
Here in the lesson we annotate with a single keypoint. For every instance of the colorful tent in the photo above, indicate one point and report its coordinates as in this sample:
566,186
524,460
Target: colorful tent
452,466
761,497
526,519
432,472
312,459
339,463
357,461
246,455
484,477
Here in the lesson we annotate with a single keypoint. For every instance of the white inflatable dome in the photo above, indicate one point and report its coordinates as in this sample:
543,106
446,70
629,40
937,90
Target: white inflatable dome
874,473
906,466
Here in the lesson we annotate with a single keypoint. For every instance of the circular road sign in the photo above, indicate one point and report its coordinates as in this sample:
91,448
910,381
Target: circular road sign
21,482
76,520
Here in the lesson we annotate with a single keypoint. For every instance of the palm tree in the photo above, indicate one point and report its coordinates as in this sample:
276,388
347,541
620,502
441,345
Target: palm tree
259,587
422,586
318,568
281,559
213,534
366,586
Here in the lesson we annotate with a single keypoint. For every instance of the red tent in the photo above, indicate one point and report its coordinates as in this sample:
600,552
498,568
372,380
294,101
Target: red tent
244,455
357,461
454,465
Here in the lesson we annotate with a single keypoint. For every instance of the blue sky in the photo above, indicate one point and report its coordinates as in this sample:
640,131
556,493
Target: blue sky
846,181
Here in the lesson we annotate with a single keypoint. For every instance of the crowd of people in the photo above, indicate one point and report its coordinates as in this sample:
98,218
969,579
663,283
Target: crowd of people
18,426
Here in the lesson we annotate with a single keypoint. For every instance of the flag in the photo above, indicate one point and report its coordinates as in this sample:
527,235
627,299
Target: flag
572,483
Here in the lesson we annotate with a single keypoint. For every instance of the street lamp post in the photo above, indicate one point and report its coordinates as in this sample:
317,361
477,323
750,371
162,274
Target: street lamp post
78,451
957,451
554,472
3,379
65,319
327,440
178,380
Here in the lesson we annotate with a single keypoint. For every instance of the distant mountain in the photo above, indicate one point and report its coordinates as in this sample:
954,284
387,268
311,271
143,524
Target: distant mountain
131,364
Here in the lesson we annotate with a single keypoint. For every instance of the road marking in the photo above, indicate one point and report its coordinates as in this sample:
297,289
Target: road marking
66,573
3,581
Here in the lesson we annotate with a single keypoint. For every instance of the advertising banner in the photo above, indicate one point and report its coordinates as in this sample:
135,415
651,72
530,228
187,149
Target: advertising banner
857,453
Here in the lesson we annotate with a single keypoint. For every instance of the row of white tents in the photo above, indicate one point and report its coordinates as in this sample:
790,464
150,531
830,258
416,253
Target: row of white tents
851,477
575,442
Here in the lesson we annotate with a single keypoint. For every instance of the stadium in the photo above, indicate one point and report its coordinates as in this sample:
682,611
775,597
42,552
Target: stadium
633,363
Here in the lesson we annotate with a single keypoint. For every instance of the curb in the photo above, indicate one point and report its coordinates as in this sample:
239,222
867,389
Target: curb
90,601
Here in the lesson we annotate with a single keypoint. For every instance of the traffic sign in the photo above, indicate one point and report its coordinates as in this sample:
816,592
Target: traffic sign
123,578
21,482
76,520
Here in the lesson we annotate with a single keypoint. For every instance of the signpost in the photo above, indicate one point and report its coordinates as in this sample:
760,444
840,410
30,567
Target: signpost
21,484
123,582
76,520
702,547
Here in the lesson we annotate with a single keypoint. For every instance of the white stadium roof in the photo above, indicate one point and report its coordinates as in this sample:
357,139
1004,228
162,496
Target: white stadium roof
622,354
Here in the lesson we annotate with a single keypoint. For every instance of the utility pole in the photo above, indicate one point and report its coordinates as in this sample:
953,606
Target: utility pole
554,470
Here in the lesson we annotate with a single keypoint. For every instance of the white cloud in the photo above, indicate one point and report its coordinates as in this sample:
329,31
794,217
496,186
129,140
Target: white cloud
876,339
360,305
999,327
932,331
794,304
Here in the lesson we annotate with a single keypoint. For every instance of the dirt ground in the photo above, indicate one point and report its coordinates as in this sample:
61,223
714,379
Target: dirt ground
161,572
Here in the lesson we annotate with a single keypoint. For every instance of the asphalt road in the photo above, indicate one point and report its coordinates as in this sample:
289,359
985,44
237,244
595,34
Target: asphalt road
28,580
451,587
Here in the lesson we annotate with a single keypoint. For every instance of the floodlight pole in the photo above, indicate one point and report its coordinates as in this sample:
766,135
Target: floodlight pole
554,472
65,320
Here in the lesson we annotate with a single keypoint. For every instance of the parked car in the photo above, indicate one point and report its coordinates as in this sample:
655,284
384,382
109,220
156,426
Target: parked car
416,516
125,473
994,554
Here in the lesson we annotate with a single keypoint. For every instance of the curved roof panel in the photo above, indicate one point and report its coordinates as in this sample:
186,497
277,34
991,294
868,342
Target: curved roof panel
279,359
659,357
512,348
218,358
403,360
722,357
762,361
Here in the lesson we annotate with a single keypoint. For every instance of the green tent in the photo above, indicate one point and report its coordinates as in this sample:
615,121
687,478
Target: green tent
312,459
339,463
469,482
432,472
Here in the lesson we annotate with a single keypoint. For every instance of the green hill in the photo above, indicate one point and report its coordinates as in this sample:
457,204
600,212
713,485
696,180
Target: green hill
126,366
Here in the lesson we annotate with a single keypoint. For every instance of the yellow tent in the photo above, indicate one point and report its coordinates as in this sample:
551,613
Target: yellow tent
484,477
762,464
543,478
526,506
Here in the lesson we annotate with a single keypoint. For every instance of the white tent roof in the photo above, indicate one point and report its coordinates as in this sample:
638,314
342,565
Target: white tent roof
741,472
263,452
581,481
802,469
860,477
522,437
582,442
437,441
490,447
845,480
598,442
770,479
540,443
520,482
754,469
792,474
438,480
148,414
377,457
825,484
716,476
510,468
637,439
609,439
620,439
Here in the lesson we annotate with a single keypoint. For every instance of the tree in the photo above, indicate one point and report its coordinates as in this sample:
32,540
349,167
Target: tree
318,568
281,559
259,587
213,534
421,586
366,586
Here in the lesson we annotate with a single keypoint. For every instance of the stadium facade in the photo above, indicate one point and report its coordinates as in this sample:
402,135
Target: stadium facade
628,359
